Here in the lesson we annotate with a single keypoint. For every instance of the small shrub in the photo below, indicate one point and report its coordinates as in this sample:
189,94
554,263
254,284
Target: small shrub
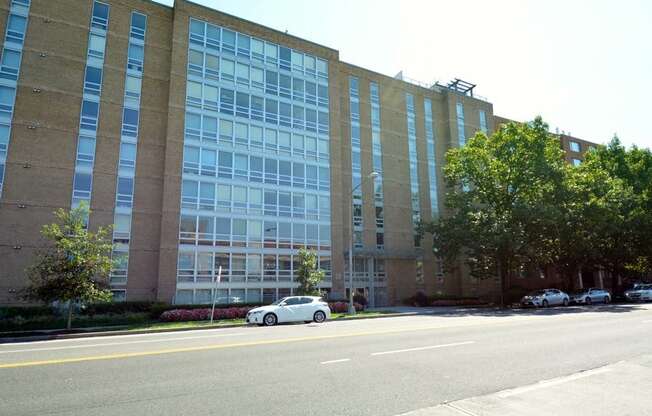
343,307
204,314
358,298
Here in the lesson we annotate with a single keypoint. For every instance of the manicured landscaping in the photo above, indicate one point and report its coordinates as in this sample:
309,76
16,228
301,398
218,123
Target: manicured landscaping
137,317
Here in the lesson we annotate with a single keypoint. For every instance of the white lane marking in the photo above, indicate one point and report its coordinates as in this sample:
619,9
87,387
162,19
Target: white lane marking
430,347
109,344
336,361
552,382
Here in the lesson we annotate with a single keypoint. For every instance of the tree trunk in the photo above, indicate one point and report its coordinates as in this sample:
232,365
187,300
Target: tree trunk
502,272
69,323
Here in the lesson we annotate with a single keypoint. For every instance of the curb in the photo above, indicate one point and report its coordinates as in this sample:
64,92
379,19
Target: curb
94,334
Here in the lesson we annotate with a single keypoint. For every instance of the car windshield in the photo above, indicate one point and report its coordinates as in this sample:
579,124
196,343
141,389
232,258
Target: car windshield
278,302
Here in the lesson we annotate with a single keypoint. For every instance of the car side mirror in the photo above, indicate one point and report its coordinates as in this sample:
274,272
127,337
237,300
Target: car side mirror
282,304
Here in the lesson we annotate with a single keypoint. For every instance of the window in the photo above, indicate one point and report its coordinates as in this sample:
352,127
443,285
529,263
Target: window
92,80
136,56
82,186
130,122
16,28
100,18
85,151
6,102
224,197
228,41
483,121
138,25
244,44
133,85
228,70
576,162
575,147
212,37
461,135
125,194
197,32
212,67
89,114
257,50
96,45
127,156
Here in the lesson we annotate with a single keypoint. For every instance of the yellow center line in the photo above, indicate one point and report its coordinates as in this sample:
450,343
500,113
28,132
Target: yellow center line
207,348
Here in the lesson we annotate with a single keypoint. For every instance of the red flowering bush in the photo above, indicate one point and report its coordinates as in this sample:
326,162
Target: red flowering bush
204,314
343,307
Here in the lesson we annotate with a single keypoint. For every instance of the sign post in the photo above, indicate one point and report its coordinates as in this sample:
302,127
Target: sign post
217,281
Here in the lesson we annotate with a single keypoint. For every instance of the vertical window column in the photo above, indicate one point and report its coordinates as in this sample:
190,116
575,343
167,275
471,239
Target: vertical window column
356,161
432,161
414,171
461,136
377,154
90,109
127,159
12,51
483,121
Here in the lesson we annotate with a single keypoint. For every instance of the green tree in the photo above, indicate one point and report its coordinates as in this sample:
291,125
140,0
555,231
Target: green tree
75,267
612,209
308,275
502,202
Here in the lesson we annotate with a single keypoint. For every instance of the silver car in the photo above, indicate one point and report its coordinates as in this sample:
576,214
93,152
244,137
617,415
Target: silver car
545,298
639,293
591,295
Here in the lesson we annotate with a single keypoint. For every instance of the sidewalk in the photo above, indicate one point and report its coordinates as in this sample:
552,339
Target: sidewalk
622,388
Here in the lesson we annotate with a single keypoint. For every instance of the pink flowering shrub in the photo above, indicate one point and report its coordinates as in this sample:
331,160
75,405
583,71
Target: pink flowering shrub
204,314
343,307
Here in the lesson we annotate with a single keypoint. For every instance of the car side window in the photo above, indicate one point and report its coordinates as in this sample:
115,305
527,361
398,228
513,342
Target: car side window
306,300
292,301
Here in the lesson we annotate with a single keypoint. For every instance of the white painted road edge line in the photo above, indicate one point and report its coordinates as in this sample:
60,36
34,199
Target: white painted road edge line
110,344
552,382
430,347
336,361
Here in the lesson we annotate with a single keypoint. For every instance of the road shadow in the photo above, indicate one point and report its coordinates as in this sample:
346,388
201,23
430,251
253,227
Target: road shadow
453,311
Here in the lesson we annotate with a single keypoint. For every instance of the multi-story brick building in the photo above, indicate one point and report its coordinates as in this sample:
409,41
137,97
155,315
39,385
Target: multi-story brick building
210,141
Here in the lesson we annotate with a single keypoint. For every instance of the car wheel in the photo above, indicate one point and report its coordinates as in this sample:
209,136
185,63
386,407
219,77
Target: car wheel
544,303
270,319
606,299
319,317
588,301
565,301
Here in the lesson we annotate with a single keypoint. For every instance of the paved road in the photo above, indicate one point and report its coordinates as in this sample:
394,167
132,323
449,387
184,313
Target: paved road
386,366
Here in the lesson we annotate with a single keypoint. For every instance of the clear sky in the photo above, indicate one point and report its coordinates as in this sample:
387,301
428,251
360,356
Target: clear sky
585,66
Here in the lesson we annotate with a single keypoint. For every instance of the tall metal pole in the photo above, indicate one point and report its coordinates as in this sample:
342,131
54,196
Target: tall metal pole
351,307
217,281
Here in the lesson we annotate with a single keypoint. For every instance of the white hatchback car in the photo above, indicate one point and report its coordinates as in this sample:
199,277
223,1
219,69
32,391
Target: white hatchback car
291,309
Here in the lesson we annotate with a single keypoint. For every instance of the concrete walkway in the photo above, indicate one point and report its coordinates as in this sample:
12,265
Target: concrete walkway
621,388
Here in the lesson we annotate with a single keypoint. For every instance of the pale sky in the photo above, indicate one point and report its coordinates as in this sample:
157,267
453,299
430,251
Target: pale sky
585,66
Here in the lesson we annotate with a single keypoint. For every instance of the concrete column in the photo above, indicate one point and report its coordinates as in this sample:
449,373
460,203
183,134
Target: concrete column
579,280
600,280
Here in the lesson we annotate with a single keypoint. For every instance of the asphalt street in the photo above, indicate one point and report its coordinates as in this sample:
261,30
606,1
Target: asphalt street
385,366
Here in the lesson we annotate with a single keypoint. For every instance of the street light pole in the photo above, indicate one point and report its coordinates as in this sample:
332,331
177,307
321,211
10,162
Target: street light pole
372,175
